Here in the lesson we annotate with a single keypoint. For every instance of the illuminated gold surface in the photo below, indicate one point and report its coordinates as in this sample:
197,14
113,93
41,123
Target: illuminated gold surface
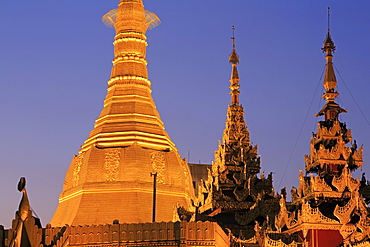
110,177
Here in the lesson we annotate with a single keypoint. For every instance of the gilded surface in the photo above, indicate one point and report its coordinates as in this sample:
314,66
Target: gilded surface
128,142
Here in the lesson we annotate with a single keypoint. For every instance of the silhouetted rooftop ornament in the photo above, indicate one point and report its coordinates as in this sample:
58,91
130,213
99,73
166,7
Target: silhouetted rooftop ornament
24,205
26,230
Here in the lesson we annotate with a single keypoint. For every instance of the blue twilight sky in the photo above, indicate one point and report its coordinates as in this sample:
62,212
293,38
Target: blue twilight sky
55,59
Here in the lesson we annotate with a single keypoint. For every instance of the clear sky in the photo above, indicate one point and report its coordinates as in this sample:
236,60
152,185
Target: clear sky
55,59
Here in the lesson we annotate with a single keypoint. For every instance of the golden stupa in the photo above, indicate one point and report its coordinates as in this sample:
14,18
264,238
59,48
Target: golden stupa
110,179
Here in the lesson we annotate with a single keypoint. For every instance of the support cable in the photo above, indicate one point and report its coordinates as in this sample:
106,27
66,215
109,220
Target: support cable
367,121
300,131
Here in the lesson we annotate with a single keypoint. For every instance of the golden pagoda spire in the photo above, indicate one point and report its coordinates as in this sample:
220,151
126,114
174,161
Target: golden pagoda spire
331,110
234,79
129,97
110,177
236,129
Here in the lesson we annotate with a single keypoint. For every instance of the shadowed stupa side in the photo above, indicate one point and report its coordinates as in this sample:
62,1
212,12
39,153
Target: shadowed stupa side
110,178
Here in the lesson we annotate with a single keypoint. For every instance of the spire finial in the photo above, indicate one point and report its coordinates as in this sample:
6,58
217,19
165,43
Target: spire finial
234,58
233,37
331,110
234,79
328,20
329,46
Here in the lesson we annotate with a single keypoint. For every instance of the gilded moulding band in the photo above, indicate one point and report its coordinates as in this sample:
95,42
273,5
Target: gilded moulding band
128,138
129,77
131,35
154,118
125,190
119,40
132,59
126,98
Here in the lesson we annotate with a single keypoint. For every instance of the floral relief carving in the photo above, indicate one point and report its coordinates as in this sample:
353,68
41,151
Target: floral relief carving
77,168
159,165
111,164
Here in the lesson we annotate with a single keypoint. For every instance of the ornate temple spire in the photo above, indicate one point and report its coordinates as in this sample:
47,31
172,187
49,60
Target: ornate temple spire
234,79
327,203
329,150
233,189
236,130
331,110
110,177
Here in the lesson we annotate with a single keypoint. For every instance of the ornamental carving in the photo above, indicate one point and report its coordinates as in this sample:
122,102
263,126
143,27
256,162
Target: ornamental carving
319,184
286,218
313,215
304,189
329,146
77,168
346,180
240,194
159,165
186,174
344,213
324,131
339,182
245,218
346,230
279,243
335,152
111,164
281,218
357,157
